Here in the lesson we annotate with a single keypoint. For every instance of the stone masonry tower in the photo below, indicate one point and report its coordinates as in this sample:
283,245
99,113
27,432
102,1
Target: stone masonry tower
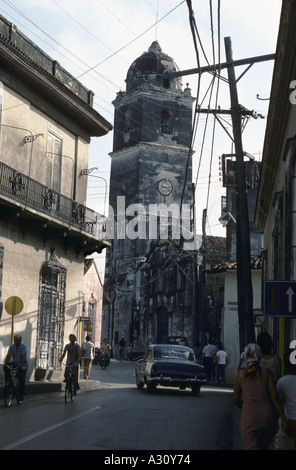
148,273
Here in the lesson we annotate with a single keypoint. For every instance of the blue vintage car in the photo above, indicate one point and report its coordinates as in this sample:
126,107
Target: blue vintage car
170,365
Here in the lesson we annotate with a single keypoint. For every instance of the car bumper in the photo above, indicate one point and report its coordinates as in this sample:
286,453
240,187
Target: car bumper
176,381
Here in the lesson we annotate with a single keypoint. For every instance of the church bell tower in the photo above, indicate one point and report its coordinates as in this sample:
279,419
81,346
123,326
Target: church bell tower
147,273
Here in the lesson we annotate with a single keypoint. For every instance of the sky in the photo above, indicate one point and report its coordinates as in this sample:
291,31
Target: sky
97,41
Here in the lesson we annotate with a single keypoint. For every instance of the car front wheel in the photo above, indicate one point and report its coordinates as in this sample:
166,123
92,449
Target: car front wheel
139,384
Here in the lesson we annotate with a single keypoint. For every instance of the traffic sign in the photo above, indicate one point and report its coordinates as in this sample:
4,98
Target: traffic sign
259,318
84,319
14,305
280,299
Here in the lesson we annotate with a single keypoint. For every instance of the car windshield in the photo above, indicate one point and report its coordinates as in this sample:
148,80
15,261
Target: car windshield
173,353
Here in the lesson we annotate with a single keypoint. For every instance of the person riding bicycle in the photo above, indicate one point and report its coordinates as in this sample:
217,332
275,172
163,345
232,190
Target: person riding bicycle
105,350
18,351
73,352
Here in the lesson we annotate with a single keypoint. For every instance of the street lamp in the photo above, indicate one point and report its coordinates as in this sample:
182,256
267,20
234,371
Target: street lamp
225,218
87,172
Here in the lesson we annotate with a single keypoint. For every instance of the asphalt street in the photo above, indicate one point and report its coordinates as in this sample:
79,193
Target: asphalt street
116,415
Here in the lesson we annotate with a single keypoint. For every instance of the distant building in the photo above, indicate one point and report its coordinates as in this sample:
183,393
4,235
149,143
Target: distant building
46,230
219,297
94,297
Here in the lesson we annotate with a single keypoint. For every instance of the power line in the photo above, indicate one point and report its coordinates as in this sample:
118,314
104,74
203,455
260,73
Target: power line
129,43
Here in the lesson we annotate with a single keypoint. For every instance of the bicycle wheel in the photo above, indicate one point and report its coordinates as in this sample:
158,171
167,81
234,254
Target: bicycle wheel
67,392
72,392
17,393
8,394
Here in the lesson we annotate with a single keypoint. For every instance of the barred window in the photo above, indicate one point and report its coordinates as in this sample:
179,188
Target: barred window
51,317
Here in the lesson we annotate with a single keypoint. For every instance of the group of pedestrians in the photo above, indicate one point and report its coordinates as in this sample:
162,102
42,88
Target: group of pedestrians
267,400
17,358
214,358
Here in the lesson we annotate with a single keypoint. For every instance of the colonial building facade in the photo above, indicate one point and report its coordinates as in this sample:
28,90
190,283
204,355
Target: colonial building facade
149,274
46,230
275,210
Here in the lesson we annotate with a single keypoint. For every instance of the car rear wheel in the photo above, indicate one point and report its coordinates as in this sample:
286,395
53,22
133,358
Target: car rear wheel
139,384
195,389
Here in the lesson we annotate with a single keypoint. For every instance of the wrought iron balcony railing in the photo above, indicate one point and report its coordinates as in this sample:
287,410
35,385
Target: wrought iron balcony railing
38,197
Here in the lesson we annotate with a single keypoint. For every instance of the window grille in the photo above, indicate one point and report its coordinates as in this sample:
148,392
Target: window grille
92,310
51,317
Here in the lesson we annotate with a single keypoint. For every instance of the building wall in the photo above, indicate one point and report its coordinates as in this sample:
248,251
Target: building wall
93,292
20,119
230,331
46,122
22,261
280,225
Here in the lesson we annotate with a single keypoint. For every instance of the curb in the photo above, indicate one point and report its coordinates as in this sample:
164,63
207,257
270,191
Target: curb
39,388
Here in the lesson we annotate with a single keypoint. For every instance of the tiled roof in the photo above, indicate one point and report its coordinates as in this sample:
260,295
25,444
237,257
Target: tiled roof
256,263
215,251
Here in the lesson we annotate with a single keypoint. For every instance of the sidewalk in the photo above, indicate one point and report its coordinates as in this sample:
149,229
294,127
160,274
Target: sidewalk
39,388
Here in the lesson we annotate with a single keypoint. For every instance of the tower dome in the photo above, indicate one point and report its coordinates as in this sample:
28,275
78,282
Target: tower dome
150,68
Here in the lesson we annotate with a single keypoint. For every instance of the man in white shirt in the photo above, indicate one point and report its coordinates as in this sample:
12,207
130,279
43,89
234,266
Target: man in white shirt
208,354
221,360
88,352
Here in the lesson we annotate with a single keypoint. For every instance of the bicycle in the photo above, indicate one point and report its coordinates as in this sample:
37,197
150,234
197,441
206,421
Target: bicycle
11,387
69,389
104,361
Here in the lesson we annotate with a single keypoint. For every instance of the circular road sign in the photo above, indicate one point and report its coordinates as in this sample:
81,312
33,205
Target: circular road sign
14,305
259,318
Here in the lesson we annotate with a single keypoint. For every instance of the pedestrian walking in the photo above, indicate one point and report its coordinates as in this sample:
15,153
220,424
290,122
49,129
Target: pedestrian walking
87,353
286,387
255,393
17,351
221,361
208,354
121,348
129,352
268,359
197,352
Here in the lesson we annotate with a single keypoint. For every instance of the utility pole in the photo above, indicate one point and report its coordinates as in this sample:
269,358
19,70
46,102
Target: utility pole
244,275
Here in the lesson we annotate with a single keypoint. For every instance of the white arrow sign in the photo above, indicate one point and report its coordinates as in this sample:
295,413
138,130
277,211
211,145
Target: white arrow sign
290,294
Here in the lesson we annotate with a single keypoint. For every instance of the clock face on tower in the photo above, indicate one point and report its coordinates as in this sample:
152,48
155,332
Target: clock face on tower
165,187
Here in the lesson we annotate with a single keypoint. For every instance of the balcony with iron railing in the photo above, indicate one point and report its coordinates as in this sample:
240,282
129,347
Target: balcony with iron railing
42,202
